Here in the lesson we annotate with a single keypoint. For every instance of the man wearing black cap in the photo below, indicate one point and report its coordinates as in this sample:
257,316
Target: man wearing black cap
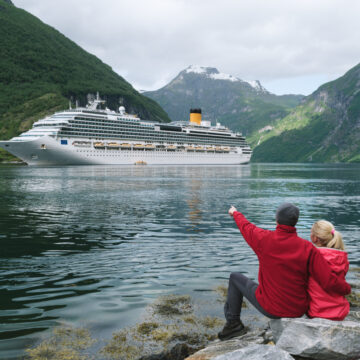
285,263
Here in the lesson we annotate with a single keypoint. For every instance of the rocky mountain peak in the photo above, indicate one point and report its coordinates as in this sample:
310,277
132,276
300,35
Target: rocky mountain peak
201,70
215,74
257,85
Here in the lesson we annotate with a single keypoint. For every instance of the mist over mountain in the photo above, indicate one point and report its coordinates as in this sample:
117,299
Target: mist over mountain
242,105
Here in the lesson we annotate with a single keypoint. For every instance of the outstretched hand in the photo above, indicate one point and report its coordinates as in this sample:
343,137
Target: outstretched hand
232,210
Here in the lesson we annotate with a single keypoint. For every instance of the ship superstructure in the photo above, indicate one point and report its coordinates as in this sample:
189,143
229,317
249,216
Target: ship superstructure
88,135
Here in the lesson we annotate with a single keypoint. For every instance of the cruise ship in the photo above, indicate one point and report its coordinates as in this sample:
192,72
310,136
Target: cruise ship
92,136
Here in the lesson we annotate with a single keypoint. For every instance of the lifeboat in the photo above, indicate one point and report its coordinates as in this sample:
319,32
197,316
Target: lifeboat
190,148
140,162
171,147
82,143
125,146
139,147
149,147
218,149
99,145
199,148
113,145
226,149
210,148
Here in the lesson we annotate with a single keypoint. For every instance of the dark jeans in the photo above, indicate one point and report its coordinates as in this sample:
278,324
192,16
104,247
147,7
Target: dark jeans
240,286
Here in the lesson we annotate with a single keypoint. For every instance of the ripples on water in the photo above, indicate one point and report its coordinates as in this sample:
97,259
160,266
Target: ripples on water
94,245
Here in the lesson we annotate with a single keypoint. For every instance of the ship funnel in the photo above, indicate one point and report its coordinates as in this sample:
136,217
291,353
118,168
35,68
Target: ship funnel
195,116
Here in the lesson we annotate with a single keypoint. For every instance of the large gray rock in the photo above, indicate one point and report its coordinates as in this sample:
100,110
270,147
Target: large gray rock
256,352
318,338
218,347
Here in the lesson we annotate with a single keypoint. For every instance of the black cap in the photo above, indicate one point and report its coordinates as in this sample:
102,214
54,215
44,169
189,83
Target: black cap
287,214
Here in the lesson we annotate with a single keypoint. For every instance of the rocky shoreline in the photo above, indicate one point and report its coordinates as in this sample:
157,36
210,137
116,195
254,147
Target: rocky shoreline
284,339
174,329
299,338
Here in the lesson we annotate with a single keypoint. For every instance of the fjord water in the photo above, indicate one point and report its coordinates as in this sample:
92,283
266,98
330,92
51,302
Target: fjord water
94,245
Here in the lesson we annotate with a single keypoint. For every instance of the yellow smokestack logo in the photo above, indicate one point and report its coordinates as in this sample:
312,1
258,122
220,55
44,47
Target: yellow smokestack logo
195,116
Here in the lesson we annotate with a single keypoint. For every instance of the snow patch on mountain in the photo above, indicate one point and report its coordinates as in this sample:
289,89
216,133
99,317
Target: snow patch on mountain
196,69
256,85
213,73
222,76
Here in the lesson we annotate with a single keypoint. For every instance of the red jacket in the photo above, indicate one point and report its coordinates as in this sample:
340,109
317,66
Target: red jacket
285,263
323,305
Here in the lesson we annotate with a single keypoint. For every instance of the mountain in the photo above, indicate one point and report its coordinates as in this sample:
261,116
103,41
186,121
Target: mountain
41,69
324,128
244,106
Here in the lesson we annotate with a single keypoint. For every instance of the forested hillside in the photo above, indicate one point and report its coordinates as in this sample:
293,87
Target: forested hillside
41,69
325,128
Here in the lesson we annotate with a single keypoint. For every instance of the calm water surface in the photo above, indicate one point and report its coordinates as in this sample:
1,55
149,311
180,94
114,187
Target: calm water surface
95,245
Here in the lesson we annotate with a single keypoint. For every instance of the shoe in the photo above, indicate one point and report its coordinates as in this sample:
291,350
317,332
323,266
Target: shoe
231,330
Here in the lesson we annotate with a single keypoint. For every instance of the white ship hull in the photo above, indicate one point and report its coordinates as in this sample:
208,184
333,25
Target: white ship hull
47,150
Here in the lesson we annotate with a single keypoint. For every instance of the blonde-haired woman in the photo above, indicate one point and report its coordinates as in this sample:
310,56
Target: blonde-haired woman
330,243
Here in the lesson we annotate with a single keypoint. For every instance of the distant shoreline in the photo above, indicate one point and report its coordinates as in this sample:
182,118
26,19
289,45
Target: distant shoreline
12,162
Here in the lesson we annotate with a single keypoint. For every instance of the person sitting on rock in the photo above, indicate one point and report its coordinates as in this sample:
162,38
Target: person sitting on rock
331,246
285,263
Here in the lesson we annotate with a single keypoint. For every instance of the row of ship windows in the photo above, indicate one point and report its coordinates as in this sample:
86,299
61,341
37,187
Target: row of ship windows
115,125
150,151
188,154
138,129
112,123
138,134
115,122
148,139
87,117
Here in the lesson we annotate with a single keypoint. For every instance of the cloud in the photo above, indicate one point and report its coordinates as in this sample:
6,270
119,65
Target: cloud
149,42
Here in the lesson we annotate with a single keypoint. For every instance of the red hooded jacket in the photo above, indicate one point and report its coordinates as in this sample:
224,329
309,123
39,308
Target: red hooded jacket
323,305
285,263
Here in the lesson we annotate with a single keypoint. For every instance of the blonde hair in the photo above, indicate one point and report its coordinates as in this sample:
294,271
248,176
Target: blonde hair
328,236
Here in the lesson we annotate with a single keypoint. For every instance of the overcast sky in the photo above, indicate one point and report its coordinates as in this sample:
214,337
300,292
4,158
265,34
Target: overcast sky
291,46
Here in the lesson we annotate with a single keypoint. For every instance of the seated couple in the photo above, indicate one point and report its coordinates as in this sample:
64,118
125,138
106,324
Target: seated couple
296,277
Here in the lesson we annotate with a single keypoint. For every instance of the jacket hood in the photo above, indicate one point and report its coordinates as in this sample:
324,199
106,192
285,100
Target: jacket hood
337,258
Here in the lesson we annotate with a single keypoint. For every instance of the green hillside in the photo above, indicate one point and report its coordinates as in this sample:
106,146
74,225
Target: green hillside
325,128
41,69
